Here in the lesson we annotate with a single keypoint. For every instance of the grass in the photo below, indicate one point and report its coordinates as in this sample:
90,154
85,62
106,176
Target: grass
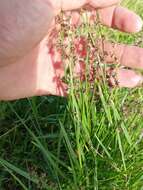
85,142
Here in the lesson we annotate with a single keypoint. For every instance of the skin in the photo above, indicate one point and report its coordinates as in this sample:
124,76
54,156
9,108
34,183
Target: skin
26,67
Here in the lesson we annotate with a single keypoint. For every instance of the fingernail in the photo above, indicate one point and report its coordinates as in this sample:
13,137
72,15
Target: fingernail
137,80
139,24
141,80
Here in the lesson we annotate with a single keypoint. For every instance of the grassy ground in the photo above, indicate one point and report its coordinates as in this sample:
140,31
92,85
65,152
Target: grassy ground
86,142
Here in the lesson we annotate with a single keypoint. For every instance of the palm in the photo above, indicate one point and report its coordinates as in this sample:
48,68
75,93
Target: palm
35,74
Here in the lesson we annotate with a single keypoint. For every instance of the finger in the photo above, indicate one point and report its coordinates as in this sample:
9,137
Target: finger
68,5
120,18
126,78
103,3
115,17
128,56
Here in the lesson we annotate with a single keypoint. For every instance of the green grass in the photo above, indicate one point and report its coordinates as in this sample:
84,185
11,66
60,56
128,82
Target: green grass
89,141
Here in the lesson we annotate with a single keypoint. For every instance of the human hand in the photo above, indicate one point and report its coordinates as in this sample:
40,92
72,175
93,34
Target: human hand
28,67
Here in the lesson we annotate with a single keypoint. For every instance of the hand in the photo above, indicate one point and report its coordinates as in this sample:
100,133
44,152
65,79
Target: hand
28,68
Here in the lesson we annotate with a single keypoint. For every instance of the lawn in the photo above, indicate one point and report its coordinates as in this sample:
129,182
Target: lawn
91,140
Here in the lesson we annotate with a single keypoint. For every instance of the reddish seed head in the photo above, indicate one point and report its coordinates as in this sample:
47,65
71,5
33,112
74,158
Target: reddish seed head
81,47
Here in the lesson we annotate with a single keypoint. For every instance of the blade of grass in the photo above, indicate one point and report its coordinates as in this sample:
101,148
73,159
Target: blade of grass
10,166
121,149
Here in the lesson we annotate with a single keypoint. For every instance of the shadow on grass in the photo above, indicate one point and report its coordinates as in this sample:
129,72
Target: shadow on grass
39,115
